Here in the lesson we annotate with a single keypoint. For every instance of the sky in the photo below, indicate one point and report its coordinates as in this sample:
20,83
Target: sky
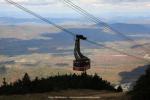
56,8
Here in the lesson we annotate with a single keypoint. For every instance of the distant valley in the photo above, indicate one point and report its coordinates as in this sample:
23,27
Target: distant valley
31,45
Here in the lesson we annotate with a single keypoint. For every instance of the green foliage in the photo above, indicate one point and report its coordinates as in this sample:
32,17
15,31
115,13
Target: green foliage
53,83
141,90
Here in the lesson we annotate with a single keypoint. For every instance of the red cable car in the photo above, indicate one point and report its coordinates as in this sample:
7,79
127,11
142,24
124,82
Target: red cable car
81,62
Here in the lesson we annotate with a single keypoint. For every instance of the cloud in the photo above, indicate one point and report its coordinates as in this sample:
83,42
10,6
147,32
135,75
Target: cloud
45,2
122,1
86,3
33,2
99,7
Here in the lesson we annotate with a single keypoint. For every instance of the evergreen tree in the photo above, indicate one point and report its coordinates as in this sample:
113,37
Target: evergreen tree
141,90
26,78
4,82
58,82
119,89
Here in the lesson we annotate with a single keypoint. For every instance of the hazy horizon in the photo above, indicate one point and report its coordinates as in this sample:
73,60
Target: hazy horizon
107,10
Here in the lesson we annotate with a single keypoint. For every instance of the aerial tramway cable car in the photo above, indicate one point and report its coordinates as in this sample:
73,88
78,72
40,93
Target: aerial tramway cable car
81,62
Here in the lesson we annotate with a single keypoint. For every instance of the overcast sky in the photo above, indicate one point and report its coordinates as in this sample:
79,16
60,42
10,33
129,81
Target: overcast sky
56,8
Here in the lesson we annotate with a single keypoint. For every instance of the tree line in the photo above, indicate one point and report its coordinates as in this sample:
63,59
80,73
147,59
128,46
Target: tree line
55,83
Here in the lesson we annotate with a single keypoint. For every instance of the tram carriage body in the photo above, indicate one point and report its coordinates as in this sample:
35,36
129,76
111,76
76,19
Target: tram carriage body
81,62
81,65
